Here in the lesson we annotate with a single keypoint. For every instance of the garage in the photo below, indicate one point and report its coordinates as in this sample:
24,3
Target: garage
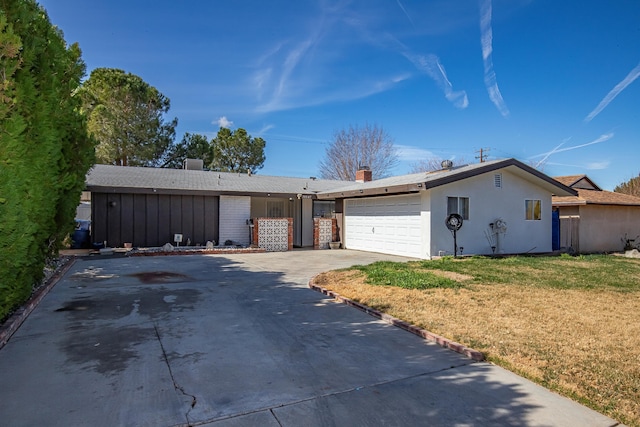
389,225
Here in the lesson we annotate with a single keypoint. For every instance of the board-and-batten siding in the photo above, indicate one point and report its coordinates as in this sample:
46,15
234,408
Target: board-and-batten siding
234,213
147,220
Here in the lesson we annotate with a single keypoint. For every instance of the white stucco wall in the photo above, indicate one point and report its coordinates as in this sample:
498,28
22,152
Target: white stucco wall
603,226
486,204
425,225
234,213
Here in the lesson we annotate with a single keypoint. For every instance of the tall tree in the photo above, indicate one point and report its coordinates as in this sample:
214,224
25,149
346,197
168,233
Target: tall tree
126,117
432,164
631,187
358,146
192,146
45,151
237,151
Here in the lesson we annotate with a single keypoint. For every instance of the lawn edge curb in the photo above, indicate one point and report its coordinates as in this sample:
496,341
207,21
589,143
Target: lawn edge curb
17,319
423,333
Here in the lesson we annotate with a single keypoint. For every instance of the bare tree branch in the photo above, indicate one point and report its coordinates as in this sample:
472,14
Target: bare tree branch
631,187
433,164
359,146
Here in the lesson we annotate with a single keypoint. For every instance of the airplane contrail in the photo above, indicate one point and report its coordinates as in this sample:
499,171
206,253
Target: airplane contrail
633,74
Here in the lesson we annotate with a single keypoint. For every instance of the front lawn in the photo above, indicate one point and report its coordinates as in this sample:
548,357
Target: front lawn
570,324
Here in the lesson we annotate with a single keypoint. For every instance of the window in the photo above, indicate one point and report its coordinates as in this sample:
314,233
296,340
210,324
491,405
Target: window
459,205
275,209
324,209
533,210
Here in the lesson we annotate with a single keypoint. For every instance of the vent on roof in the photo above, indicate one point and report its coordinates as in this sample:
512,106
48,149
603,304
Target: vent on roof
193,164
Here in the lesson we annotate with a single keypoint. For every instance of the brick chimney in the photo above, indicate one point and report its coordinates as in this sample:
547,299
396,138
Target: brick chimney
363,174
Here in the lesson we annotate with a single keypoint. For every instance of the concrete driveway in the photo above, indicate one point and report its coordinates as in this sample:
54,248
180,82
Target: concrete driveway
239,340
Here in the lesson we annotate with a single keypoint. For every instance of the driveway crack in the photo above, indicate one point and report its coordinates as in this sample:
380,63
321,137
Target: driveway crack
177,386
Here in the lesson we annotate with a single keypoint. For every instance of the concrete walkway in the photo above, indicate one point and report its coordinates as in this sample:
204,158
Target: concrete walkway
239,340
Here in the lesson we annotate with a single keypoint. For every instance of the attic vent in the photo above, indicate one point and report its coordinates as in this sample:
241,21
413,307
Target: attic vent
446,164
497,180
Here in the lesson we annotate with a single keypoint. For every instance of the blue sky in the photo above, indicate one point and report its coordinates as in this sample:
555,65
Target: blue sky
548,82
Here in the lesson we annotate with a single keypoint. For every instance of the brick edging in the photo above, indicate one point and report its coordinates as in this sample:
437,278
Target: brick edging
17,319
423,333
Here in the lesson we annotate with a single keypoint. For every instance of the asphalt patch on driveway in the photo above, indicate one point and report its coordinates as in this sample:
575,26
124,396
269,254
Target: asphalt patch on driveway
149,303
109,327
107,350
160,277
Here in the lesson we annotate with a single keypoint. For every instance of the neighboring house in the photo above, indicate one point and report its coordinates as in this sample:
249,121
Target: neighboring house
147,206
595,220
505,204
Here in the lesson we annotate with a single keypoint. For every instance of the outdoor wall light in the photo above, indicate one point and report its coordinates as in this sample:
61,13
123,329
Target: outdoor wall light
112,204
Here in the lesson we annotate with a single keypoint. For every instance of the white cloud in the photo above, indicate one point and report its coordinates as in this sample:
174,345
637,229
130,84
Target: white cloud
598,165
408,153
589,166
265,129
361,90
223,122
633,74
486,39
430,64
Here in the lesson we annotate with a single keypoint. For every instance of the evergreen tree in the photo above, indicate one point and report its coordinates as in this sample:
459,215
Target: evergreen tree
45,152
192,146
237,151
126,117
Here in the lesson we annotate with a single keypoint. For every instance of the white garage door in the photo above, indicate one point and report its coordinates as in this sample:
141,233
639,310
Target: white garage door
389,225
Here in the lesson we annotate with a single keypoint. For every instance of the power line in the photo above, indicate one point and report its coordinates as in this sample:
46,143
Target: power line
483,154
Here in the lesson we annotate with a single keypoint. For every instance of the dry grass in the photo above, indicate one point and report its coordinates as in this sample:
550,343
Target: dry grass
553,320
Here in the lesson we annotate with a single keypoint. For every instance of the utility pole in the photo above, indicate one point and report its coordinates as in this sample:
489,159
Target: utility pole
483,154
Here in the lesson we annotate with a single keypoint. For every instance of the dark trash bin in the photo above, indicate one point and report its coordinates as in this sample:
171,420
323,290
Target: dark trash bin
81,236
80,239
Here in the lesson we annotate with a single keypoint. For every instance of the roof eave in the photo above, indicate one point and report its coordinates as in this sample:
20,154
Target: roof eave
191,192
572,203
373,191
555,187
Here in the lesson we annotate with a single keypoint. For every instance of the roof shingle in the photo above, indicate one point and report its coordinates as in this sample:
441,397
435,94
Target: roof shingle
109,178
600,197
